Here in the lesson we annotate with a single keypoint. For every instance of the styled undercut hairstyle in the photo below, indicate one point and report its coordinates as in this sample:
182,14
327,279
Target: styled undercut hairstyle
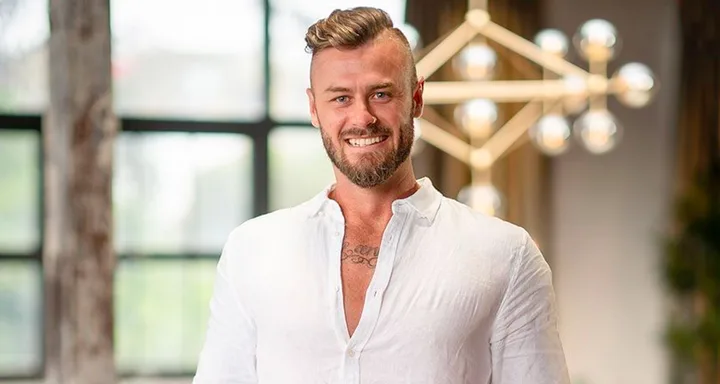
351,28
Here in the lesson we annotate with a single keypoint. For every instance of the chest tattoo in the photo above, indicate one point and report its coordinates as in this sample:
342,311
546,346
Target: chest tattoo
360,254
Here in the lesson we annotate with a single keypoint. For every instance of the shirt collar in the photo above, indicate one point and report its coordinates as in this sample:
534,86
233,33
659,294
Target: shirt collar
425,201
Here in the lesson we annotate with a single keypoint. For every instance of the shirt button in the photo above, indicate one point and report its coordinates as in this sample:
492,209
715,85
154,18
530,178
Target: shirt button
351,353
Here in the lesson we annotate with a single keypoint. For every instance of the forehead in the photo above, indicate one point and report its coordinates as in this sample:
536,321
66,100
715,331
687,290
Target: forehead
378,60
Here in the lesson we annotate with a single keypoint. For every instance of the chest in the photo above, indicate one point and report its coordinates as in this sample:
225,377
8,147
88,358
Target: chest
411,283
359,256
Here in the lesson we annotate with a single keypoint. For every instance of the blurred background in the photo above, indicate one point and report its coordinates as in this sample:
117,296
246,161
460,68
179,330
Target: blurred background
213,130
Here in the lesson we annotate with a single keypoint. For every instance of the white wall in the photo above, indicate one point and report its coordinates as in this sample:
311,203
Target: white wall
608,210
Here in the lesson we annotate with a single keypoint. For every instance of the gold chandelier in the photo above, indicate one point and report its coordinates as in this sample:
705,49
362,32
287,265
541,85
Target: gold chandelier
565,89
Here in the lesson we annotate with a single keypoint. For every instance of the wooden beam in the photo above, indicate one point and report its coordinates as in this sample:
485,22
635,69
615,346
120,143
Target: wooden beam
433,116
522,46
500,91
78,140
444,51
447,142
509,133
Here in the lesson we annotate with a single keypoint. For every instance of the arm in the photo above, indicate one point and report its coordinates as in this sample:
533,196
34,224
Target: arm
525,342
228,355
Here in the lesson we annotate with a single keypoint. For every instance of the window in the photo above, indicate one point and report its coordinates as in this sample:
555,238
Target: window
20,322
23,57
20,273
189,59
180,192
19,178
214,131
161,314
177,196
299,166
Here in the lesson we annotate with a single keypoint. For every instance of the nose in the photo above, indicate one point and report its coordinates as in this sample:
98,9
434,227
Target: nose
361,116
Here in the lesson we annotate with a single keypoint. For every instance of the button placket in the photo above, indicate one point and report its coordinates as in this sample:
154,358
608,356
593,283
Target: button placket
333,229
380,281
371,311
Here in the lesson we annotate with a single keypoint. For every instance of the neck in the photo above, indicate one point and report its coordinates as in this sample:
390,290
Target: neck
371,204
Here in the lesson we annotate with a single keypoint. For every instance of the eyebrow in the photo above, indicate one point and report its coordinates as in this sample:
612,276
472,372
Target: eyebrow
381,86
337,89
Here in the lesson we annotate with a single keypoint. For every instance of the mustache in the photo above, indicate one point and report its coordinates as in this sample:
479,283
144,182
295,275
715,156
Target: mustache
372,130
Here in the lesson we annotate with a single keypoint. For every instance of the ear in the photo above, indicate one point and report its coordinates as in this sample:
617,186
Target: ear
418,102
313,108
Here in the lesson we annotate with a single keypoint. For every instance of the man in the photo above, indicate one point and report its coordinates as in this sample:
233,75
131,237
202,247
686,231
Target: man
379,278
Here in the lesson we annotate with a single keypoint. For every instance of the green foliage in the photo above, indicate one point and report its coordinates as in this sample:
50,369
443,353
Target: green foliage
682,339
692,272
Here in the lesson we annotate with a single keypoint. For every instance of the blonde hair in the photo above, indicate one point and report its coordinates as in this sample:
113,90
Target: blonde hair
351,28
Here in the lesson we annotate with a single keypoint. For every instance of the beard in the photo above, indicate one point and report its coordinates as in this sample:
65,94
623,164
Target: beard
375,168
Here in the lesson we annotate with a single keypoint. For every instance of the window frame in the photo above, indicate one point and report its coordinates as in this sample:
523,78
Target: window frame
258,131
32,123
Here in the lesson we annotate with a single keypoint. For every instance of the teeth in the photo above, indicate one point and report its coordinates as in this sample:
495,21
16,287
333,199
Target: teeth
365,141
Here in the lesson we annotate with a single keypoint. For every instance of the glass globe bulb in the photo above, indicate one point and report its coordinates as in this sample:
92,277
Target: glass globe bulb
637,85
476,62
552,41
597,39
551,134
477,117
598,131
483,198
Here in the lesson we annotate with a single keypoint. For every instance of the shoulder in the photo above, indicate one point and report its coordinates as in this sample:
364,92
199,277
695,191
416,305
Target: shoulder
479,228
254,246
506,243
257,236
272,224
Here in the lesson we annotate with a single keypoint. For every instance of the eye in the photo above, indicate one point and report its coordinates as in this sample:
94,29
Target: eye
341,99
381,95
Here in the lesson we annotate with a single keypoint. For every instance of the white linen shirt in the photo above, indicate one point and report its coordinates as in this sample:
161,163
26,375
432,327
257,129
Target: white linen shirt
456,298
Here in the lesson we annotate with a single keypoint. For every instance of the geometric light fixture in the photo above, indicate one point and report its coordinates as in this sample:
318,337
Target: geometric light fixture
564,90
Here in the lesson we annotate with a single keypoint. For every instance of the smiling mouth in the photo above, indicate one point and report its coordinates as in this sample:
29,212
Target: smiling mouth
366,141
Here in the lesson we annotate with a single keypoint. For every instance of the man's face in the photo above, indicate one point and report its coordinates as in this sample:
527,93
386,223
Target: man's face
363,103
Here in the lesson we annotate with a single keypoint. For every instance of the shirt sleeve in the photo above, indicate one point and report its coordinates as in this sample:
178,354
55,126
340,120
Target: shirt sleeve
228,353
525,341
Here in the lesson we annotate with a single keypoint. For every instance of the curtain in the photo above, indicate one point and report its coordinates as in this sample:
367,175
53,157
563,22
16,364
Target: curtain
698,158
697,141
